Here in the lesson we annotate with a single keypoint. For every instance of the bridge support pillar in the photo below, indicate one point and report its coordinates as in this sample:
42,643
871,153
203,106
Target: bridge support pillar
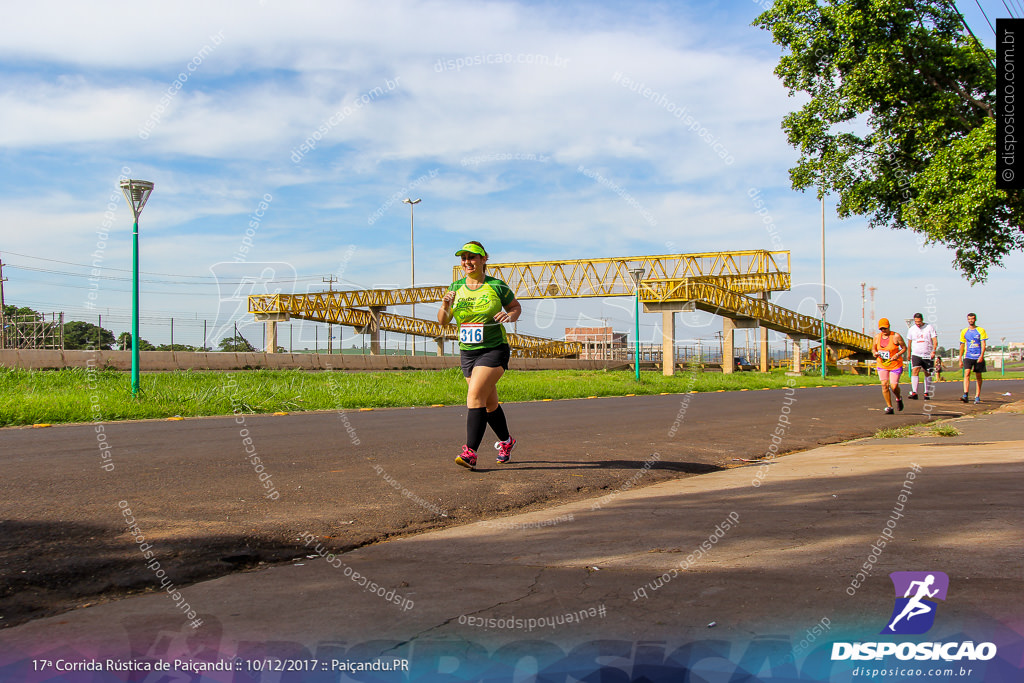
797,367
765,361
270,339
668,312
271,320
440,345
373,329
728,327
668,343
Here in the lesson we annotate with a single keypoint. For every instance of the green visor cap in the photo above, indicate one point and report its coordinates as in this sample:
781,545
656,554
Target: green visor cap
471,248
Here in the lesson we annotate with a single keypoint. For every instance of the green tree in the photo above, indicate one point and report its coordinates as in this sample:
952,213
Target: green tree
180,347
11,311
124,343
237,343
900,122
83,335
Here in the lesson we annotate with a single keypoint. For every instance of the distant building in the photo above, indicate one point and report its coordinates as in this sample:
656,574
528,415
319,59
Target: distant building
599,343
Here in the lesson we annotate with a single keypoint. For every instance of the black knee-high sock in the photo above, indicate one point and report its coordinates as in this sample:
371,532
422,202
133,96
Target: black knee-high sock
496,419
476,425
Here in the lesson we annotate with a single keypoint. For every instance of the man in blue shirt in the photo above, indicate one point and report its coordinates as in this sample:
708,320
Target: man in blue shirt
972,355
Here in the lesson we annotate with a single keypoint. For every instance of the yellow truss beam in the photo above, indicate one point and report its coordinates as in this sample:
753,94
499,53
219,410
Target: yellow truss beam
323,307
720,301
359,298
715,281
745,271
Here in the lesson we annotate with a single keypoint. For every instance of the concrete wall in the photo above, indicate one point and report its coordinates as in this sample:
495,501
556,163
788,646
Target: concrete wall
162,361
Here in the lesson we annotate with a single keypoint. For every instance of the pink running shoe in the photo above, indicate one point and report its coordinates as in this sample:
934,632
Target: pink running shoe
467,458
505,449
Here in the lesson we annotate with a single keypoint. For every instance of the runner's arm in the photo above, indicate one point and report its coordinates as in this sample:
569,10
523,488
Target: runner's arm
444,314
900,342
511,313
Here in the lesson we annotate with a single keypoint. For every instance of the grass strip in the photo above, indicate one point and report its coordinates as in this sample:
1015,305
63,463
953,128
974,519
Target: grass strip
85,395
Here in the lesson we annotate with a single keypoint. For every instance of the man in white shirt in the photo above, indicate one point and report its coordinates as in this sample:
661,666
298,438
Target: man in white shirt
923,341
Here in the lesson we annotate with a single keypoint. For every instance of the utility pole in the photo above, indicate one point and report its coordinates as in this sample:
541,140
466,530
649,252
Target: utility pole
862,328
3,320
872,290
330,280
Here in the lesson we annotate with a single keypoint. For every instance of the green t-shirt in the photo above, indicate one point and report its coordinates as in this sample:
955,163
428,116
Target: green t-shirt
474,311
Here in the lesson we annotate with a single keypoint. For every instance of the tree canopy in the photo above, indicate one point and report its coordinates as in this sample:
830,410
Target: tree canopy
900,123
236,343
83,335
124,343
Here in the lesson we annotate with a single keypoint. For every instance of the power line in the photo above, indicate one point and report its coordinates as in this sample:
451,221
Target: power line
978,3
211,278
963,21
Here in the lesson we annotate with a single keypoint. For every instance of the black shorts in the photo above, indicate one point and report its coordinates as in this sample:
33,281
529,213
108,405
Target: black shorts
918,362
976,364
496,357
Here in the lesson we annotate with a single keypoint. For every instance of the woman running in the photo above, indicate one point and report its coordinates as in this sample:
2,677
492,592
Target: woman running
888,349
476,302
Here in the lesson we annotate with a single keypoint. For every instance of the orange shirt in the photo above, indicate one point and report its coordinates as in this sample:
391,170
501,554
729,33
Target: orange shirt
886,347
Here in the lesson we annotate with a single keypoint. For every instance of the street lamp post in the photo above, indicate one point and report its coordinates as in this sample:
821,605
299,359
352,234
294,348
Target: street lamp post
637,274
822,307
412,257
1002,361
137,193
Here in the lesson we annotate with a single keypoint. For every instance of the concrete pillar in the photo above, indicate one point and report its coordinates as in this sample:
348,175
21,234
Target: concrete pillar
765,365
271,336
374,329
728,353
797,367
668,329
440,345
668,343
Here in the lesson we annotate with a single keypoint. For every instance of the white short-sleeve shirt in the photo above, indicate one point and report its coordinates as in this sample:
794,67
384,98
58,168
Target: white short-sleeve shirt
920,340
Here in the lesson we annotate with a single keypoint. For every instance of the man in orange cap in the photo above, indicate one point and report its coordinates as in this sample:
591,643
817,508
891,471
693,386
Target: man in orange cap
888,349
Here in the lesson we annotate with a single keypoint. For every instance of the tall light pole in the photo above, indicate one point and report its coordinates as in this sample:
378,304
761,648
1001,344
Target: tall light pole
137,193
823,306
412,257
637,274
1002,362
862,328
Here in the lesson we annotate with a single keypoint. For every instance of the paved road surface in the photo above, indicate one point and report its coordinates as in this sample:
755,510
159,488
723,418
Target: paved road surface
359,477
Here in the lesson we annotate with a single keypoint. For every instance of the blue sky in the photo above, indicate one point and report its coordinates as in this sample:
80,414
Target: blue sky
522,125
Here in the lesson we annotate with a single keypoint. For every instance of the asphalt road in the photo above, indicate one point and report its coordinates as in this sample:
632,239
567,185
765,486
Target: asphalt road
206,508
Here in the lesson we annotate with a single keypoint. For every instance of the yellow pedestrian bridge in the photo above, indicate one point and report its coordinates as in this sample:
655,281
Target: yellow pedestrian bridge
733,284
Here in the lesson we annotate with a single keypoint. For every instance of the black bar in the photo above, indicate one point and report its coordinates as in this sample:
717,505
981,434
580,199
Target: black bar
1009,127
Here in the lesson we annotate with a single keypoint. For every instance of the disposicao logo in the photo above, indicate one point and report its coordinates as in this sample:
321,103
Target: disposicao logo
914,614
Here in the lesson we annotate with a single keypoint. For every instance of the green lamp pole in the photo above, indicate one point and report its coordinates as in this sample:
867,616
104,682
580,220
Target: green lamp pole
822,307
137,193
637,274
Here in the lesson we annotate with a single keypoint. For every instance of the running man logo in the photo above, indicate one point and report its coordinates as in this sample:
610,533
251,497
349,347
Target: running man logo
916,592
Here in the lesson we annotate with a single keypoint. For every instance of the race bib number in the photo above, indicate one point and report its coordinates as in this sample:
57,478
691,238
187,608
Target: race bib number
471,333
884,355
